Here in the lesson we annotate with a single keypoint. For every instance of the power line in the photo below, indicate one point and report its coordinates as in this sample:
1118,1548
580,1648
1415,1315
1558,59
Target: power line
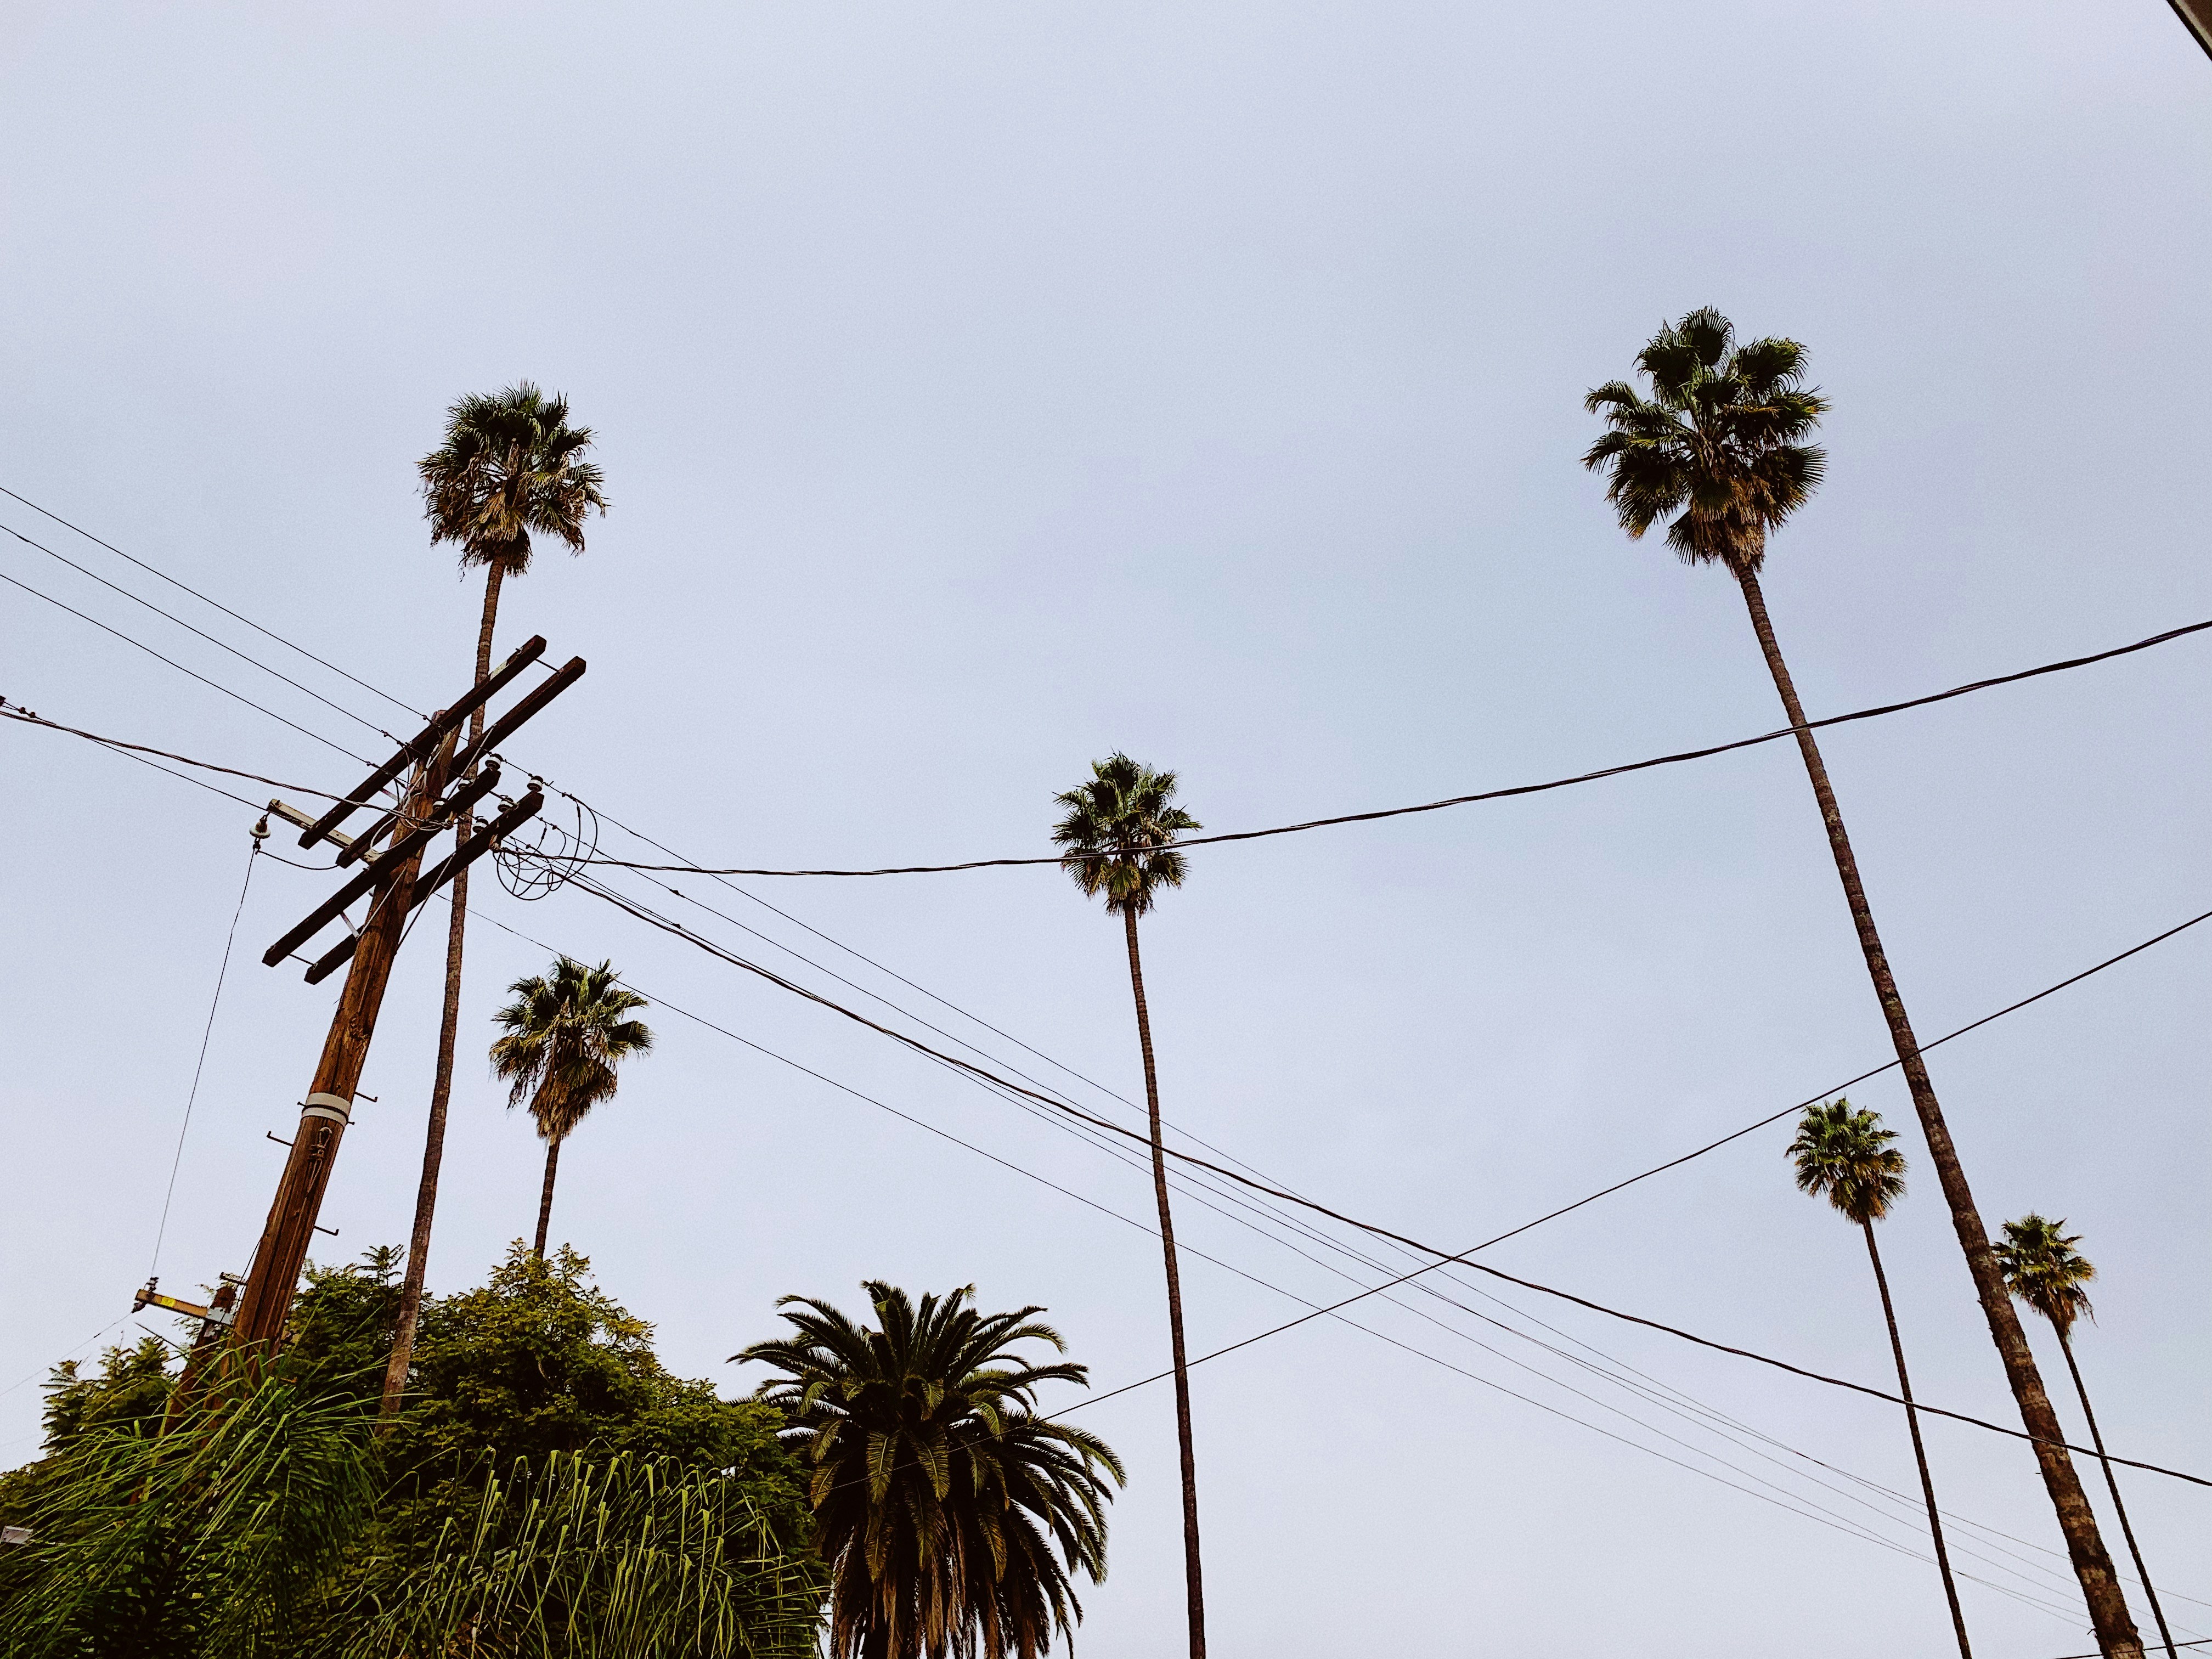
151,571
1812,1511
17,712
220,644
192,1098
181,669
1251,835
1463,800
629,905
1196,1188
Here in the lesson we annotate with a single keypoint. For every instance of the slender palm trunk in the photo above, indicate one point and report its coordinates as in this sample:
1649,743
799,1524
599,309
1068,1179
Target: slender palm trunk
2085,1546
545,1197
1192,1580
2112,1485
1919,1451
441,1082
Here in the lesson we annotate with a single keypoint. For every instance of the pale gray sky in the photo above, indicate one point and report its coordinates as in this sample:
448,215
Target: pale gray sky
984,387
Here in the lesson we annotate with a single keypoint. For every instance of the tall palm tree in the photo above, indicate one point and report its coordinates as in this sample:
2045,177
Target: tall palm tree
511,464
567,1032
1119,834
937,1491
2044,1270
1718,451
1844,1156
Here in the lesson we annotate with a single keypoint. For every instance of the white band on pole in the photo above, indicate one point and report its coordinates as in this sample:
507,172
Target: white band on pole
329,1106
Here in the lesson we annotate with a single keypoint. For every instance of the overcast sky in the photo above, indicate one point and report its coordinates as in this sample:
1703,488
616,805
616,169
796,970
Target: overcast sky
984,387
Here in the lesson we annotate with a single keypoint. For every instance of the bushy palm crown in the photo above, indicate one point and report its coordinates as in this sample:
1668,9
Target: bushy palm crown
1719,443
2042,1268
511,463
566,1033
1120,831
938,1493
1843,1155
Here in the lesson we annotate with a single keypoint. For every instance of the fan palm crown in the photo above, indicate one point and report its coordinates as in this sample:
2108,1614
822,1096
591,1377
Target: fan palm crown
1120,831
511,464
1843,1154
938,1492
567,1030
1719,444
2043,1269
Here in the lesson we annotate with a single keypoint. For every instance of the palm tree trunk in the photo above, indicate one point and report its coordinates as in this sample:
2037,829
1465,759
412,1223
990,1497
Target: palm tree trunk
1192,1580
1919,1451
545,1198
2112,1485
441,1082
2092,1566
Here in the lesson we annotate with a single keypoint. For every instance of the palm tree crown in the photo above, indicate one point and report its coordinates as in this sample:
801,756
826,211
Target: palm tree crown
1843,1155
937,1491
566,1033
1718,444
511,463
2043,1269
1120,832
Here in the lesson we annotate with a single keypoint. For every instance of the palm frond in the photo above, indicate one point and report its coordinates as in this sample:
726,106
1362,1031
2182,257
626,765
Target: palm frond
1120,831
1719,450
511,463
938,1494
2042,1268
1843,1154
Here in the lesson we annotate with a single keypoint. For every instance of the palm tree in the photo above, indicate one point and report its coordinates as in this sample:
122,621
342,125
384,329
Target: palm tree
937,1491
511,463
1844,1156
2047,1272
1120,833
1719,451
567,1032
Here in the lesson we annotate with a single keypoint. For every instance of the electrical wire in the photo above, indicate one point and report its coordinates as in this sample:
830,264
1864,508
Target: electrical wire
151,571
235,695
625,902
1196,1188
207,1033
1700,1414
17,712
1250,835
1064,859
1811,1510
219,645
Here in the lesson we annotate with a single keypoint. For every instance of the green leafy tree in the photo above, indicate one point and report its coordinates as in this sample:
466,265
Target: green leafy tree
567,1031
2043,1269
938,1492
271,1519
581,1558
1845,1155
1119,835
511,466
213,1538
1719,452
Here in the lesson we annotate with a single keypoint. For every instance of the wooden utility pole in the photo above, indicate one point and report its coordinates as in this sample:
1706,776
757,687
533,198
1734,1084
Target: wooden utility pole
395,880
328,1109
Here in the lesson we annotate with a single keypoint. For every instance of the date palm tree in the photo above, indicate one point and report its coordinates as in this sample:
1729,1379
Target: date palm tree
1845,1155
2048,1274
938,1493
1119,835
1719,452
511,464
567,1031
